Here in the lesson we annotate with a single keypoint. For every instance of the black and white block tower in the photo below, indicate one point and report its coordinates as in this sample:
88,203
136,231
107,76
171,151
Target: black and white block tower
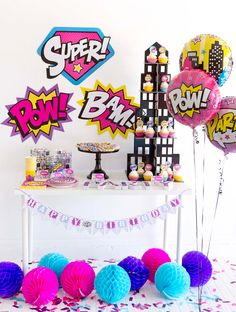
153,108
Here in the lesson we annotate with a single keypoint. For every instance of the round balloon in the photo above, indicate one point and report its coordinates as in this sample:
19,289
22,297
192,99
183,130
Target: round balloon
193,97
209,53
221,130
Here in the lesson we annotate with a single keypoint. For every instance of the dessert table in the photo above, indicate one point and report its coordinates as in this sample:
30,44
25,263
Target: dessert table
177,189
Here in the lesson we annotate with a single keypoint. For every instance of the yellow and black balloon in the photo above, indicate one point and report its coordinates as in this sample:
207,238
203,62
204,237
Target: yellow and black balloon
209,53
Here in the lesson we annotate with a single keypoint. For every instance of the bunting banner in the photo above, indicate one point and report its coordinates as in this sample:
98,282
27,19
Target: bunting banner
103,226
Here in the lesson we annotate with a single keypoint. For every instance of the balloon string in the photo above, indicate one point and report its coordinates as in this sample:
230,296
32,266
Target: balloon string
203,186
195,140
221,181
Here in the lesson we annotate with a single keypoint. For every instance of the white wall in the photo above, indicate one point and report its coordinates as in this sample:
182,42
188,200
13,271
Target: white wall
133,26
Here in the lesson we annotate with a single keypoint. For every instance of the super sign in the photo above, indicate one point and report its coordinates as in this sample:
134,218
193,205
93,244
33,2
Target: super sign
74,52
39,113
108,108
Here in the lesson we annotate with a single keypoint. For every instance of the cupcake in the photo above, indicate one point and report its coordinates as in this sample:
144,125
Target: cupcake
177,175
147,176
164,132
152,56
162,58
133,175
150,132
139,131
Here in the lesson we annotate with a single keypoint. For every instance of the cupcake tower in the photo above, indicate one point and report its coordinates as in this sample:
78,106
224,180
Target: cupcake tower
154,126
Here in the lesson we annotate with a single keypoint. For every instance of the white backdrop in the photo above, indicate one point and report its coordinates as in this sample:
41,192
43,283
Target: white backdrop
133,27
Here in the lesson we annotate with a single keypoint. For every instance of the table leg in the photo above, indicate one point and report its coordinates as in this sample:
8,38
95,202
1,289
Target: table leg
178,243
25,236
165,227
30,235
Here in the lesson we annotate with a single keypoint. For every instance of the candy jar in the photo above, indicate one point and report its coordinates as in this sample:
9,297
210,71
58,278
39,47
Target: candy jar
177,175
133,175
152,56
148,85
171,129
147,176
162,58
139,131
164,132
164,83
140,169
150,132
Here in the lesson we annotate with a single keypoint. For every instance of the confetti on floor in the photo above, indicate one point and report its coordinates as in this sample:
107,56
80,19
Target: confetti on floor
219,295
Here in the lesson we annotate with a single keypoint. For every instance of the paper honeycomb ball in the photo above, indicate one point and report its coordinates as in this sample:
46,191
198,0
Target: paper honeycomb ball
54,261
11,277
198,266
153,258
172,280
40,286
137,271
77,279
112,283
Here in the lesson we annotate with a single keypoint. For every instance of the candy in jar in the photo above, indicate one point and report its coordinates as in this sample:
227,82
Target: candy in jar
133,175
139,131
164,132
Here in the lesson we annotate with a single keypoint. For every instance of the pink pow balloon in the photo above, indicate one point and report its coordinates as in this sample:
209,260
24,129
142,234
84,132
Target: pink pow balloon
221,130
77,279
40,286
153,258
193,97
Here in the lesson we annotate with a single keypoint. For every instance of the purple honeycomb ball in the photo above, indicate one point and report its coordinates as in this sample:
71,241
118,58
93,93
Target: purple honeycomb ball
137,271
11,277
198,266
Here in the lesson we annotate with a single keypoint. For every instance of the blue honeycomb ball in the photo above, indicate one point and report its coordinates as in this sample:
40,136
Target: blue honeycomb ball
172,280
112,283
11,278
54,261
138,272
198,266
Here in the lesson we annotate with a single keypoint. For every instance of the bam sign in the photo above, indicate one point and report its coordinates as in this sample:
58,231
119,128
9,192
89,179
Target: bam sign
111,109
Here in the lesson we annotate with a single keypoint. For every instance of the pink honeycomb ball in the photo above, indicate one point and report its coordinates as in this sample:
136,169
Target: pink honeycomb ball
153,258
40,286
77,279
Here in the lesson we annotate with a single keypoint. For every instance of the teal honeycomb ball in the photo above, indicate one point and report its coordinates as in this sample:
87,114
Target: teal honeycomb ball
112,283
172,280
54,261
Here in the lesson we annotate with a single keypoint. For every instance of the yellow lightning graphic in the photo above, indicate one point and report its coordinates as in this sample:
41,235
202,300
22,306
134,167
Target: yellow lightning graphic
192,89
33,98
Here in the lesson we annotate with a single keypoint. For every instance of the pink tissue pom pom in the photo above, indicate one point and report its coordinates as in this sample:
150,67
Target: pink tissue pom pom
40,286
153,258
77,279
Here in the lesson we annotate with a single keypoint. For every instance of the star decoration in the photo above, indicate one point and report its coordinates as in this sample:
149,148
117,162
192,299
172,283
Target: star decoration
77,68
227,137
196,39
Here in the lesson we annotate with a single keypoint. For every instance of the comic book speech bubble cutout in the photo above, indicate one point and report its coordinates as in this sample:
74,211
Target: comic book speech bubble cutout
110,109
221,130
193,97
74,52
39,113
